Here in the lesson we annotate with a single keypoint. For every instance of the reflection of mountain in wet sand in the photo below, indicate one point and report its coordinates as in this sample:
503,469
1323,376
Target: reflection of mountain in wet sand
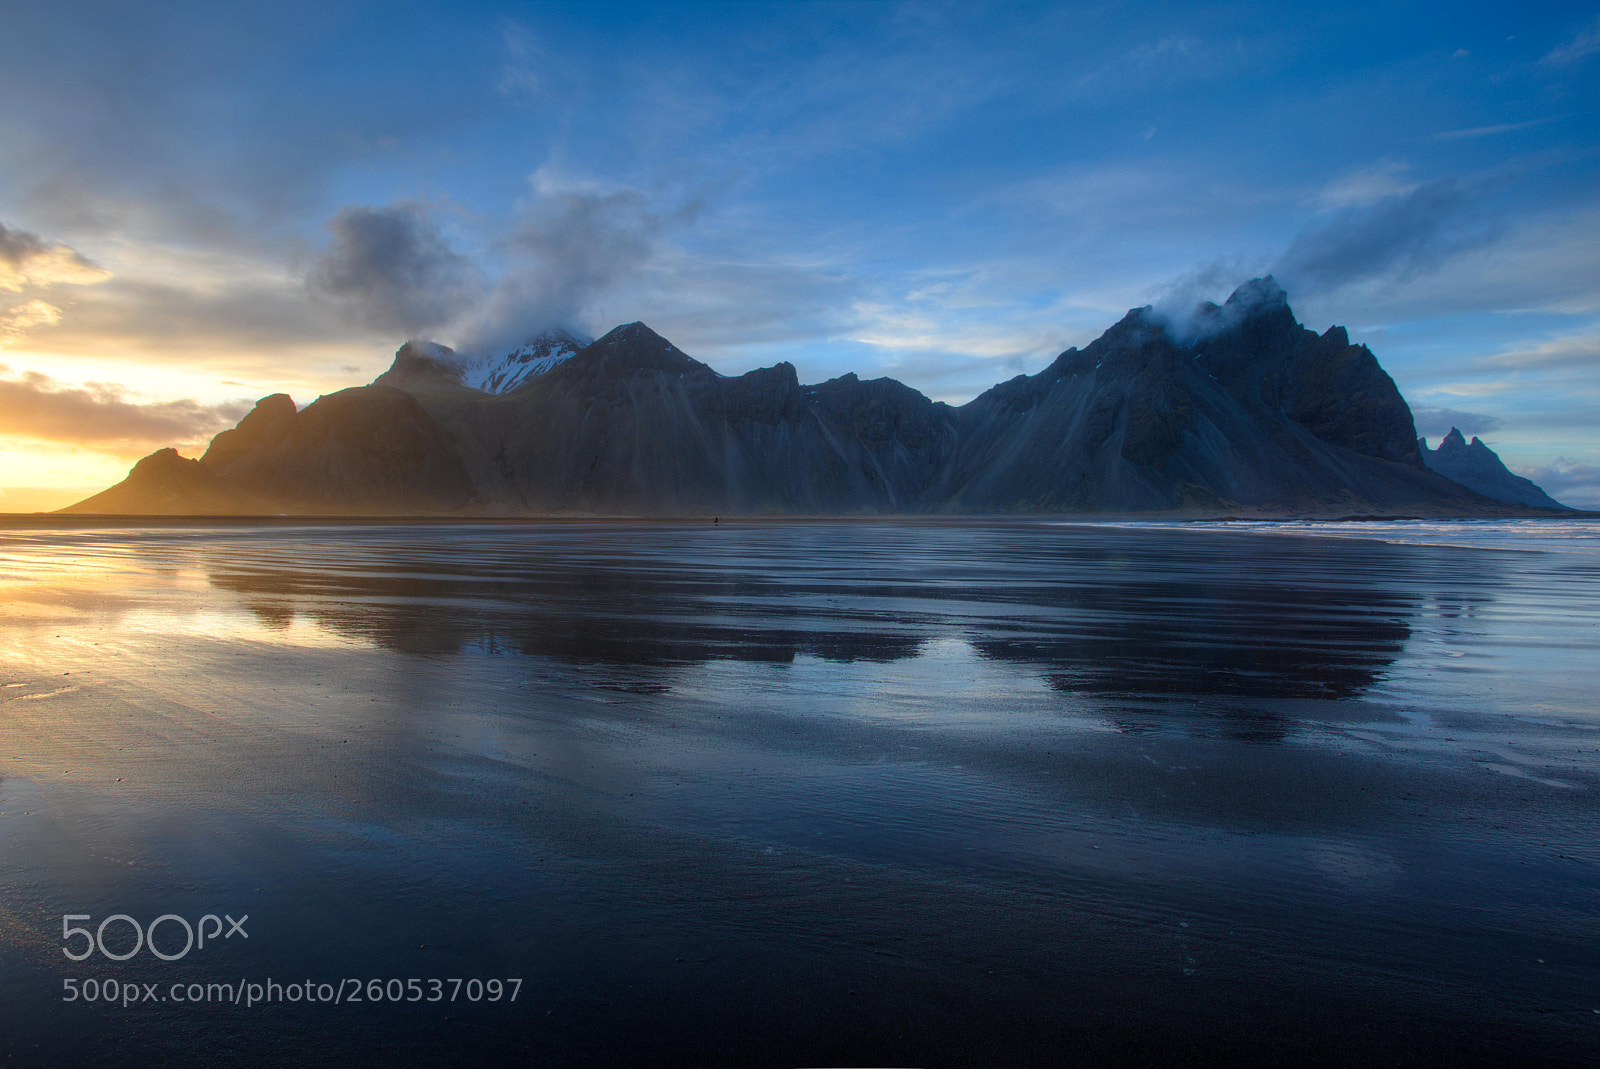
1116,613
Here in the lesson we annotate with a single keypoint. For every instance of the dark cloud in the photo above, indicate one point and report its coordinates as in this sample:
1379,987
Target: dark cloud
394,270
1399,236
1436,422
569,247
100,414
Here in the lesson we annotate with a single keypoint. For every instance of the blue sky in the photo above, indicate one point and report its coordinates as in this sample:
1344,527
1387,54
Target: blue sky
207,203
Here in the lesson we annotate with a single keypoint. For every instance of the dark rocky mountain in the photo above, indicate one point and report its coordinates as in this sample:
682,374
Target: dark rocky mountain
167,484
1480,468
632,425
1237,410
367,450
424,364
1244,410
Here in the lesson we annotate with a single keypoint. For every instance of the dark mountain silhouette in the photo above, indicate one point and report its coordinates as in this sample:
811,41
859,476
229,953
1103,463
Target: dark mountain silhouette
1480,468
166,484
1237,410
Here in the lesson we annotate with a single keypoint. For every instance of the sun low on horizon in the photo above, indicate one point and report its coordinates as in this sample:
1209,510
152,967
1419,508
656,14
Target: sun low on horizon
201,206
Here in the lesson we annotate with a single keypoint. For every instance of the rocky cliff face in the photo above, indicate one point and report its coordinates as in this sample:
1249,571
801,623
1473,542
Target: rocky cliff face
632,425
368,450
1480,468
1239,410
423,365
166,484
1243,410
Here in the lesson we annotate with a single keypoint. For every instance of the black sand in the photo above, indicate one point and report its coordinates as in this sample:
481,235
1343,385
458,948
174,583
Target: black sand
807,794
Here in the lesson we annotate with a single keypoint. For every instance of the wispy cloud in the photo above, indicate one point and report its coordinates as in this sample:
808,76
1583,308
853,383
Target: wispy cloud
1568,351
521,74
1570,482
1490,131
1437,422
1367,185
19,319
1476,389
29,263
1401,235
1585,44
1167,58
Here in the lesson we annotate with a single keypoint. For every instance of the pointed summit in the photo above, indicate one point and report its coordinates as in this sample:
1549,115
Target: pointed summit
1257,294
422,365
427,366
1255,415
168,484
1258,308
1477,467
267,421
633,348
1453,444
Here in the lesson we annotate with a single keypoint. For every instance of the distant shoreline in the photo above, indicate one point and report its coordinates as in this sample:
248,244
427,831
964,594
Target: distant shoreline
21,520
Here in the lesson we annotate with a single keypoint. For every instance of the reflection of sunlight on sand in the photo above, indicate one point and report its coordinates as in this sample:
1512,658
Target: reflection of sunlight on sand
120,584
237,624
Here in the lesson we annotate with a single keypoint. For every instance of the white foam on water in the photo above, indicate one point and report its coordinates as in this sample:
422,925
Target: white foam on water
1535,535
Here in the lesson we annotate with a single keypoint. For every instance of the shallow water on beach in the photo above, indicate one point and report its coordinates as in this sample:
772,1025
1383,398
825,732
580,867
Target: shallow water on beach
952,793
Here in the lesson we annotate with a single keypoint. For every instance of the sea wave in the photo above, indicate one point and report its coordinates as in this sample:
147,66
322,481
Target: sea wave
1529,535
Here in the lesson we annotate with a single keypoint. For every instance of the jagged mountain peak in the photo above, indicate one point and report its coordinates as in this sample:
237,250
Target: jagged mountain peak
633,334
425,365
167,483
634,347
1255,315
420,364
1259,415
1480,468
1257,295
1258,308
506,372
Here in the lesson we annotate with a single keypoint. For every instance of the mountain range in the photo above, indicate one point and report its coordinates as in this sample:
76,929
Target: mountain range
1479,468
1235,410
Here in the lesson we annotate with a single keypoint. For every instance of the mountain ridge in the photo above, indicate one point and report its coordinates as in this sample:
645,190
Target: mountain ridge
1480,468
1237,410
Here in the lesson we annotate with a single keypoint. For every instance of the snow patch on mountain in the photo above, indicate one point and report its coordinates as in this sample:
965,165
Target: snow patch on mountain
504,372
426,365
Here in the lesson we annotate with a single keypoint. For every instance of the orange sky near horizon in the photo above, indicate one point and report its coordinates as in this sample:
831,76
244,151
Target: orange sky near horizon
81,403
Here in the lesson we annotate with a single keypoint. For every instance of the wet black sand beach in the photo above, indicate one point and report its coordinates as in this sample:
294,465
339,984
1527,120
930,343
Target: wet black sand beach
805,794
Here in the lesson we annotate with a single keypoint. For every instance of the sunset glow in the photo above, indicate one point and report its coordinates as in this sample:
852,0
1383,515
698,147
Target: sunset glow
200,206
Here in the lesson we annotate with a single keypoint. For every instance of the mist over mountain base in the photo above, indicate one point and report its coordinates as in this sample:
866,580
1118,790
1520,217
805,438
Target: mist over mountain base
758,794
